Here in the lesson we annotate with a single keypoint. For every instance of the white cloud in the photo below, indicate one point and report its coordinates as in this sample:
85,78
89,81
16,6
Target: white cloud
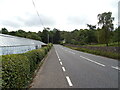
62,14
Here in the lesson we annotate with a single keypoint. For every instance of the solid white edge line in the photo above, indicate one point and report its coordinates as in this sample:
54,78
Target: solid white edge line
115,67
63,69
93,61
61,63
69,81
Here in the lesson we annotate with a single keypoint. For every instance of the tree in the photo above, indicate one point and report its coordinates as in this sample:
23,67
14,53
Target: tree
4,31
92,27
116,35
56,36
21,33
106,22
44,35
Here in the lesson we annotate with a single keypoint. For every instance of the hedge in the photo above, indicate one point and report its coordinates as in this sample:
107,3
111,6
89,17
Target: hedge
18,69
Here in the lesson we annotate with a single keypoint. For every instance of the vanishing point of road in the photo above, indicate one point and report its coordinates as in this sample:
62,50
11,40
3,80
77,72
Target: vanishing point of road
67,68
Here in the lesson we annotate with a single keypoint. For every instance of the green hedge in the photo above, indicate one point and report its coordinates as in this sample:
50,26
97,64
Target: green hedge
18,69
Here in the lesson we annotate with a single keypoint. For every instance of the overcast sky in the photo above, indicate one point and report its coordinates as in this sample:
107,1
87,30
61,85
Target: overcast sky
61,14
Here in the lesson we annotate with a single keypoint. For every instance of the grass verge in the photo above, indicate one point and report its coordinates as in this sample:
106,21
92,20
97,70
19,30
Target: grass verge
96,52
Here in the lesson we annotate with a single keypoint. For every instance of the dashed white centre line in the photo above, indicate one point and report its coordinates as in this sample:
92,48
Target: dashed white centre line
115,67
61,63
59,59
69,81
63,69
93,61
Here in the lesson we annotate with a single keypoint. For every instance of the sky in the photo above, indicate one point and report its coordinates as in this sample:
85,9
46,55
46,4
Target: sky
64,15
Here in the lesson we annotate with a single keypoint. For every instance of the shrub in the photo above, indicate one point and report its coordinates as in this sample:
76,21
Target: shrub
16,70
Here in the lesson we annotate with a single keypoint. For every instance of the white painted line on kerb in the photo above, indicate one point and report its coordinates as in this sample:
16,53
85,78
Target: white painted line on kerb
61,63
69,81
63,69
93,61
115,67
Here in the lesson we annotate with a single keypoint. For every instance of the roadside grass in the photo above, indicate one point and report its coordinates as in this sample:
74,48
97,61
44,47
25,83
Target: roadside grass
98,52
115,44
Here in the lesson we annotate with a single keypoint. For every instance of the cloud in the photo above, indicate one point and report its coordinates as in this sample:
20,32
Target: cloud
64,14
34,20
10,23
77,20
29,21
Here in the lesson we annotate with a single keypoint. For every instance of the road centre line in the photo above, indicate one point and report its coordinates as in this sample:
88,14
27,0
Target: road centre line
57,54
61,63
63,69
115,67
69,81
59,59
93,61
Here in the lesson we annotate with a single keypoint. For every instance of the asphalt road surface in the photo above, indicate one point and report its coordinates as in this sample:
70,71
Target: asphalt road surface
67,68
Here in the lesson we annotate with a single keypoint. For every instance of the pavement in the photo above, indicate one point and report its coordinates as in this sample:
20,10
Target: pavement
67,68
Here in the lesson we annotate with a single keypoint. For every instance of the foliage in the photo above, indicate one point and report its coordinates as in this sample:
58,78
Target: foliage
98,52
18,69
105,20
4,31
104,34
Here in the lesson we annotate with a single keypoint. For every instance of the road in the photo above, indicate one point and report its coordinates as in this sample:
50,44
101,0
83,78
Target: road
67,68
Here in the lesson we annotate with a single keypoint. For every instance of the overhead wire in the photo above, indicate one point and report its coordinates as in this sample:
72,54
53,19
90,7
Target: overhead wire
38,13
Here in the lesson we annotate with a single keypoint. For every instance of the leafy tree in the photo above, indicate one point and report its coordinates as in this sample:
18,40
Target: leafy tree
92,27
105,20
12,33
4,31
116,35
56,36
44,35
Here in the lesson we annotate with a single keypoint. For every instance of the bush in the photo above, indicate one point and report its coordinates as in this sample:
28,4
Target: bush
18,69
34,57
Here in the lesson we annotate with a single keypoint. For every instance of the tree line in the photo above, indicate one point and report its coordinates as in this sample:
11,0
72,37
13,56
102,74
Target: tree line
103,34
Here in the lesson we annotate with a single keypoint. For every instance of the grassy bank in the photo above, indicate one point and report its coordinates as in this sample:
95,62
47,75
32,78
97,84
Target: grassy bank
98,52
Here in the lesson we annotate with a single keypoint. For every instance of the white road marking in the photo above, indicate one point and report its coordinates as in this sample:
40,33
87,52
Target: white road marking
58,55
63,69
93,61
61,63
66,50
69,81
72,52
115,67
59,59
